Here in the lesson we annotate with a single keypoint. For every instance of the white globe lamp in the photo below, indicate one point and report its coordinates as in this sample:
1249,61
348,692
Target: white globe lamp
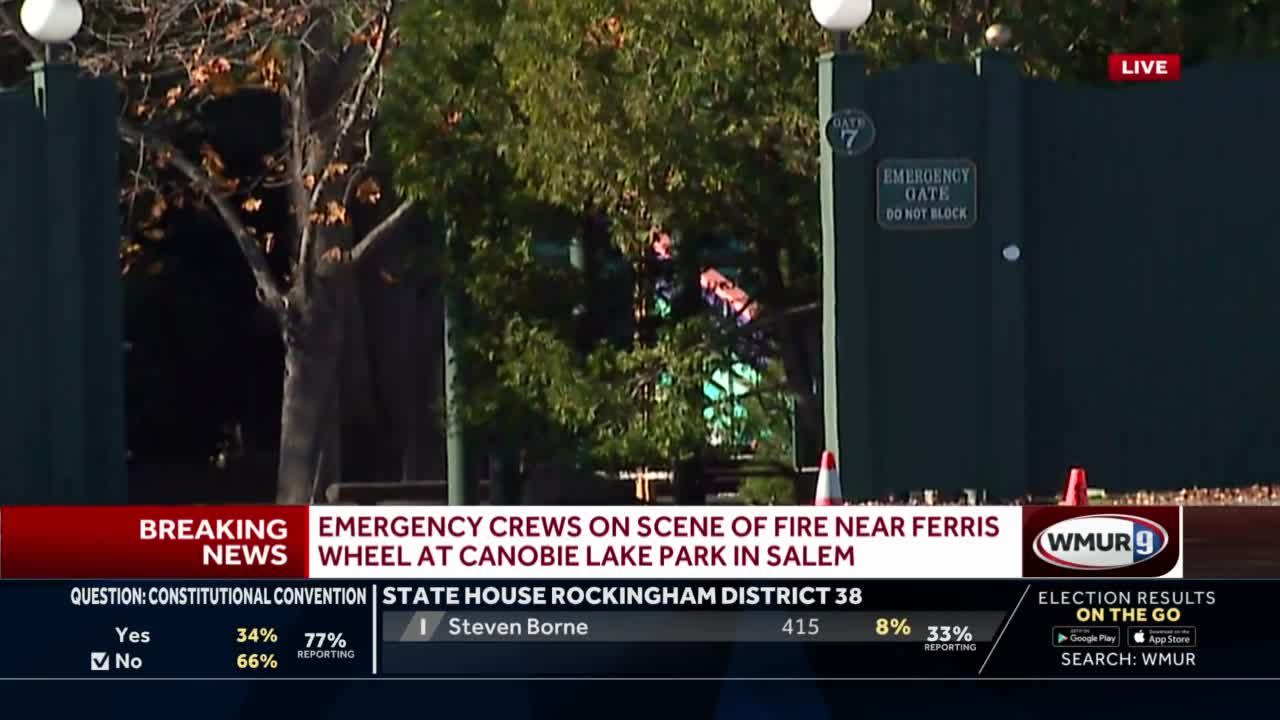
51,21
841,15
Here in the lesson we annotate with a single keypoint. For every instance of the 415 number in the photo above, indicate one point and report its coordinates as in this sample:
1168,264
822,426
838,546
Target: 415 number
801,626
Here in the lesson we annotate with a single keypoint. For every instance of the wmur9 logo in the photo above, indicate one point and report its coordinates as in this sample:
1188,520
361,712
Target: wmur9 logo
1141,542
1100,542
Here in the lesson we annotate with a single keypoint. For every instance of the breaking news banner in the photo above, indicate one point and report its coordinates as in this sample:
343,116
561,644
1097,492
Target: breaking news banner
836,592
539,542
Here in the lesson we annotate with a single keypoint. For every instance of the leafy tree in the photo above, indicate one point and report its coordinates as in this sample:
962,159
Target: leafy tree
536,378
770,417
450,123
681,115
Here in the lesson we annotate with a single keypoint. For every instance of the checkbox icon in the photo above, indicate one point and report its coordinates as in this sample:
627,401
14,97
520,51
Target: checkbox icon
98,662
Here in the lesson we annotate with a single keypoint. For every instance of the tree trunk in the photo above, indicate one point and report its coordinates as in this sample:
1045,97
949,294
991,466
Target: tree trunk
310,419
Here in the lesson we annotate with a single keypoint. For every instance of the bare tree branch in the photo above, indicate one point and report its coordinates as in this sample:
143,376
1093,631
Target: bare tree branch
268,290
347,69
382,231
768,319
300,133
357,108
362,86
353,181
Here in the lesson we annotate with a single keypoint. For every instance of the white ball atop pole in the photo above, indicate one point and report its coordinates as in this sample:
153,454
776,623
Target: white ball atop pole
51,21
841,15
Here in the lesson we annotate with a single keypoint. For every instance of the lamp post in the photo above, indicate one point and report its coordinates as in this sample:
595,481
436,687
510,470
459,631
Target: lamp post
848,247
50,22
62,414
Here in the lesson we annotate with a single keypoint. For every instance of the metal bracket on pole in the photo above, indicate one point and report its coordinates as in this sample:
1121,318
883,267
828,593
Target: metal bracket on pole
40,86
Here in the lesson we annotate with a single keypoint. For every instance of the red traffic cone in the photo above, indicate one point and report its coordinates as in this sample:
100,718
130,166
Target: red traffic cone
1077,492
828,491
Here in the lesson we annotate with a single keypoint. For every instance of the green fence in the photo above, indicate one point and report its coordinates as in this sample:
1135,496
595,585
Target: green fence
1027,276
61,363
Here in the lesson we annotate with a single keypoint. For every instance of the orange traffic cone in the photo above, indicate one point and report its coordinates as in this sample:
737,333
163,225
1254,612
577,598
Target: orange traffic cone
828,491
1077,492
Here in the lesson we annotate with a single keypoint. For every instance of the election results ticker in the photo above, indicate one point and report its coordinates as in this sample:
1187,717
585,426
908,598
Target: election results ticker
637,629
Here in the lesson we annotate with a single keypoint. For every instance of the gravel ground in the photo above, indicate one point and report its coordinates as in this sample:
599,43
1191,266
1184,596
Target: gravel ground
1263,495
1251,495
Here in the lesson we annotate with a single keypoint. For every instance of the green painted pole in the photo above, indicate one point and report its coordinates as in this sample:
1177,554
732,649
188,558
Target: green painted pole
583,320
582,317
849,260
461,490
578,254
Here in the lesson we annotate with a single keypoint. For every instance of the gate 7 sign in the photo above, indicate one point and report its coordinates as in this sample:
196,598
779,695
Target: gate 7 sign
850,132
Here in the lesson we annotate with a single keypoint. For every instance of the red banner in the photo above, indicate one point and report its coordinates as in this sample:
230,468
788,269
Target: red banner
153,542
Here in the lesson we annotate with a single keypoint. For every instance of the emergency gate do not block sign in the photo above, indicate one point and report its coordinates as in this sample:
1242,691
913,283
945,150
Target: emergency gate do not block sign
927,193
